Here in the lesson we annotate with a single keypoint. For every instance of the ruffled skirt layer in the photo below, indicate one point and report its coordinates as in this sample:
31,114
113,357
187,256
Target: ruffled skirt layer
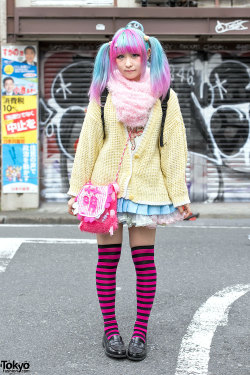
145,215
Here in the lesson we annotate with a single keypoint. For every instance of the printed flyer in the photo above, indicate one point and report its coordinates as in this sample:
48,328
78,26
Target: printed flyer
19,119
19,70
20,172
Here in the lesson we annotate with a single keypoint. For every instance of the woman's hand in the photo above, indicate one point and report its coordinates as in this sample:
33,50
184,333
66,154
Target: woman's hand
70,204
185,208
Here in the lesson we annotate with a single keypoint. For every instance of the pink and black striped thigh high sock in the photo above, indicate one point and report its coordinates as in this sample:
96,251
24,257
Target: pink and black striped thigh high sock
108,259
146,278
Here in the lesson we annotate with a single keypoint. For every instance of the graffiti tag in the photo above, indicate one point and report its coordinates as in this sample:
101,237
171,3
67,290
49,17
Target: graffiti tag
230,26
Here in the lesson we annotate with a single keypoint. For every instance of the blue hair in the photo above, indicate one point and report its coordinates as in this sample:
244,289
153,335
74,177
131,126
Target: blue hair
159,69
101,73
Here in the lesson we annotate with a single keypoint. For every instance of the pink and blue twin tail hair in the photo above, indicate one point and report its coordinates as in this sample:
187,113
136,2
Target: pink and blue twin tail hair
130,40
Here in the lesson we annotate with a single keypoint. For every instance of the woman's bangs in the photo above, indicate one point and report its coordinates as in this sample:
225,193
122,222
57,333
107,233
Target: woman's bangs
127,43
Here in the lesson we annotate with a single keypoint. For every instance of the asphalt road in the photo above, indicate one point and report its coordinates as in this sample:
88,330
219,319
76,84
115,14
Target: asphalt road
50,319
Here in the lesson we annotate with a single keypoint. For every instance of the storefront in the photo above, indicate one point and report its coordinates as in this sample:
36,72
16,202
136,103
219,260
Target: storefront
209,55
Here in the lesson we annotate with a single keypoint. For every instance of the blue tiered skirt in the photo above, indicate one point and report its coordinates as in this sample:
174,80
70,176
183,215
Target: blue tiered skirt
145,215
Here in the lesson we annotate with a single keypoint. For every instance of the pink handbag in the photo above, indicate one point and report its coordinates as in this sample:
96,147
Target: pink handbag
97,205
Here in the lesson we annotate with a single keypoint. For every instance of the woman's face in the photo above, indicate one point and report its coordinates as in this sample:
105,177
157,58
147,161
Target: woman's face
129,65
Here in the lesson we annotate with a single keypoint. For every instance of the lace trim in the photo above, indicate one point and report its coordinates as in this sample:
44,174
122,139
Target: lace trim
150,221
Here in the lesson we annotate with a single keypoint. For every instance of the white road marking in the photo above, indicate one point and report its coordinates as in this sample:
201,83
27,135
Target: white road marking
195,347
188,226
208,227
9,246
60,240
36,225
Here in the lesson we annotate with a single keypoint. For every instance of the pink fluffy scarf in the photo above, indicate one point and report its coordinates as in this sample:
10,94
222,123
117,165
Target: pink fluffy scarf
133,100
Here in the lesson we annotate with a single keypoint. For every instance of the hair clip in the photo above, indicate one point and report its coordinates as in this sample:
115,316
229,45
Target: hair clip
116,45
135,25
146,38
110,42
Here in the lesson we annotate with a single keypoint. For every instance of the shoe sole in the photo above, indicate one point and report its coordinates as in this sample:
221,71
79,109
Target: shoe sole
136,359
113,355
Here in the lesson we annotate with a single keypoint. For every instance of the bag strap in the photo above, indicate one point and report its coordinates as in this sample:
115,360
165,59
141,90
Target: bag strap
116,177
164,106
103,101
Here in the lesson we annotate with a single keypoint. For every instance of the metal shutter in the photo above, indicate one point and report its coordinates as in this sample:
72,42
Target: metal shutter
214,93
213,89
229,97
65,79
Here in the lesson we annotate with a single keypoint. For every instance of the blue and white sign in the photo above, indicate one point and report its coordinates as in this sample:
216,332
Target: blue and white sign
20,171
19,70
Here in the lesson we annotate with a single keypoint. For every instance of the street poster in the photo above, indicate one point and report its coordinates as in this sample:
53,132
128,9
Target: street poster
19,127
20,172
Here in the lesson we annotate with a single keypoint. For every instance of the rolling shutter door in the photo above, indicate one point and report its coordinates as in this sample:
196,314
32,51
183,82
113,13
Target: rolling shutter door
65,80
228,173
213,90
182,82
214,93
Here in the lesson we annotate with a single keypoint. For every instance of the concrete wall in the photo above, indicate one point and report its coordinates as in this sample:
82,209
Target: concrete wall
3,22
12,201
2,40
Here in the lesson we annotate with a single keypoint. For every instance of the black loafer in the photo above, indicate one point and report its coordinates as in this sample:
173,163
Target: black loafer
137,349
114,347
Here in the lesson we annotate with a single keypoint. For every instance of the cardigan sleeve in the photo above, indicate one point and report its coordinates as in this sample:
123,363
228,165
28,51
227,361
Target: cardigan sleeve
89,145
174,153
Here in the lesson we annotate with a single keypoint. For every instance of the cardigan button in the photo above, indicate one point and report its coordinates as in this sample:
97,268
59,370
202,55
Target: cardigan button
136,156
131,197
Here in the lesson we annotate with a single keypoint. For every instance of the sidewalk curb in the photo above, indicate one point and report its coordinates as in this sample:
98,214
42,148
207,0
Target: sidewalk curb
56,213
38,220
74,221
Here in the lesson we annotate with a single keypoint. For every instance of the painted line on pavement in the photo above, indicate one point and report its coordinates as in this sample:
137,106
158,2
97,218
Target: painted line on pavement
61,240
209,227
194,353
36,225
9,246
169,226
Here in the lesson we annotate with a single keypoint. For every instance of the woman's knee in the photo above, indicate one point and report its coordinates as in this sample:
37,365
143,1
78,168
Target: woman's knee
106,239
139,236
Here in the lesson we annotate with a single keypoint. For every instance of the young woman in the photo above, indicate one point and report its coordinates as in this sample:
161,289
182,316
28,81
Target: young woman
153,191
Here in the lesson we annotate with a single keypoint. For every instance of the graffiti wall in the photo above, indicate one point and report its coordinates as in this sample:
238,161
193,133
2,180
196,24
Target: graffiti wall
213,87
66,74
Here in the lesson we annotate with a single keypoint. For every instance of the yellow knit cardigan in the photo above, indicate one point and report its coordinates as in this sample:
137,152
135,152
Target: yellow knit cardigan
150,174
